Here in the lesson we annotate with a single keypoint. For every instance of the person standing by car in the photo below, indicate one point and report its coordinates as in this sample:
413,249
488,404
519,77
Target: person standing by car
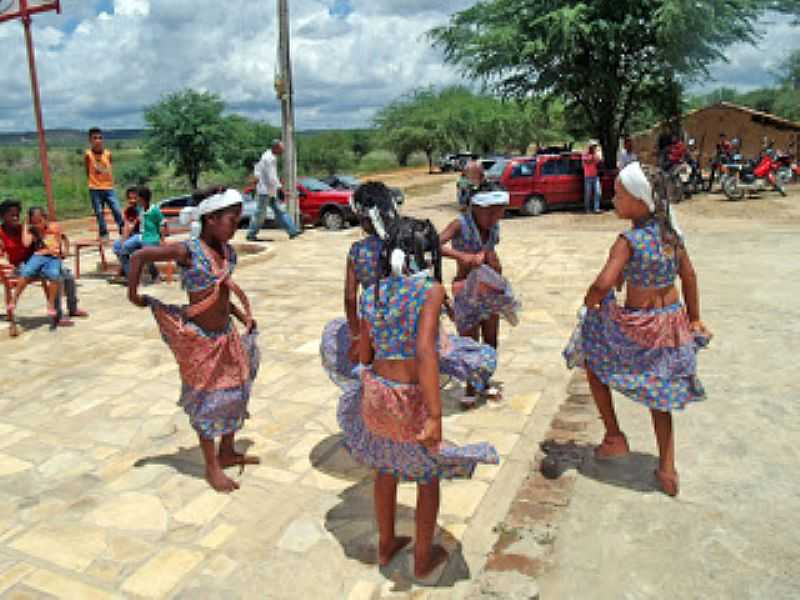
267,186
591,182
627,156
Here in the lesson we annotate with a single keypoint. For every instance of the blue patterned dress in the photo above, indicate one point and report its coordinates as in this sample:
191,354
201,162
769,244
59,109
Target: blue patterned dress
381,418
471,306
649,355
462,358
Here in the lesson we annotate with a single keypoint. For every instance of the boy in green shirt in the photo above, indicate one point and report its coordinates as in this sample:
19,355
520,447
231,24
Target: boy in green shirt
152,222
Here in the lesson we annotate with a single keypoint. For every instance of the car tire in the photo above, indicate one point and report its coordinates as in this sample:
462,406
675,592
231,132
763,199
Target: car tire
534,206
332,219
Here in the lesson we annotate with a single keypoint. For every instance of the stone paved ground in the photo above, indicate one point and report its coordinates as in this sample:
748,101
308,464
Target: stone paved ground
101,479
603,530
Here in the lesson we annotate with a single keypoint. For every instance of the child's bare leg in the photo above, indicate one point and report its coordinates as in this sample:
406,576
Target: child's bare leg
490,329
18,289
214,474
427,556
666,473
614,442
51,290
385,497
475,334
228,457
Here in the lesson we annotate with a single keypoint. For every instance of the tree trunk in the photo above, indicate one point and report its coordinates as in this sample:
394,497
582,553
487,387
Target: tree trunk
429,154
608,137
194,176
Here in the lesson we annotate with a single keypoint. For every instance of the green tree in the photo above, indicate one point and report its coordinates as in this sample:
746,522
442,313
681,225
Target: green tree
187,130
324,153
360,144
789,70
246,140
605,58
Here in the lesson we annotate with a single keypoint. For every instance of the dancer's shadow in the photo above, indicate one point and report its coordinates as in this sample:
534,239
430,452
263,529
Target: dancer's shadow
352,521
633,472
28,323
452,393
188,461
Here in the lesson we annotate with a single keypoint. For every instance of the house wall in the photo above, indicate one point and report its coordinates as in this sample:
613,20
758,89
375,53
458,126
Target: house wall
706,124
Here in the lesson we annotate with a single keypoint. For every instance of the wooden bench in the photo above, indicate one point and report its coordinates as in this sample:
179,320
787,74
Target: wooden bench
95,242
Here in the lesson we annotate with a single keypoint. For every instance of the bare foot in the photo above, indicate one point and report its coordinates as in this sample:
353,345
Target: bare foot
13,330
219,481
236,459
424,568
613,446
64,322
385,555
79,313
669,482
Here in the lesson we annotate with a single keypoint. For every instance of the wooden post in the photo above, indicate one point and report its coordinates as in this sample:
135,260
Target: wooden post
285,89
24,14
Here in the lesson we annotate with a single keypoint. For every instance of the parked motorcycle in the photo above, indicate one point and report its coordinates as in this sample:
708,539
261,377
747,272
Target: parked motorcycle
785,173
750,178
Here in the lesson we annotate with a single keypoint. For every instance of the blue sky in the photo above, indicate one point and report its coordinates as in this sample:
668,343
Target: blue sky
103,61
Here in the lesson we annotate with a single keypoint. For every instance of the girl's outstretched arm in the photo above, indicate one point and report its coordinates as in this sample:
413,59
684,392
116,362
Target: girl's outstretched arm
610,274
351,299
428,366
176,252
691,294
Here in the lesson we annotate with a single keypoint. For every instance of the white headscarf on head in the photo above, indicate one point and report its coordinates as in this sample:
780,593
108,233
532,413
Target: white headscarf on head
633,179
217,202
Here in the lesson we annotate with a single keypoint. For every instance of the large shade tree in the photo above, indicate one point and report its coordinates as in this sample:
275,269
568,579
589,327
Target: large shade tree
188,131
607,58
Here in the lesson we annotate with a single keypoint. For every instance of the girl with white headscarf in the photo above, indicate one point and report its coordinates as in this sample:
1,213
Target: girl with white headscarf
217,363
645,349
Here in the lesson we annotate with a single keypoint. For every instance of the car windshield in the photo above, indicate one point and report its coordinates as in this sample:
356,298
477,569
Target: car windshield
497,169
349,180
314,185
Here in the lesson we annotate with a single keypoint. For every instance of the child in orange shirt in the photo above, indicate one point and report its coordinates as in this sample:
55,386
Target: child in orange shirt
45,239
100,178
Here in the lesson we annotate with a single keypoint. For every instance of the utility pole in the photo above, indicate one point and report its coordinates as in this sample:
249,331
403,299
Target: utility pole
23,9
285,91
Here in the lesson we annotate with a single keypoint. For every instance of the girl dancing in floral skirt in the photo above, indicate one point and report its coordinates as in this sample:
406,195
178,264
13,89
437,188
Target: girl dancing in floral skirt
393,423
459,357
647,348
217,364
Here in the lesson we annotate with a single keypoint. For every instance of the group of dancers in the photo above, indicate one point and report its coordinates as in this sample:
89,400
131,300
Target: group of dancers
389,352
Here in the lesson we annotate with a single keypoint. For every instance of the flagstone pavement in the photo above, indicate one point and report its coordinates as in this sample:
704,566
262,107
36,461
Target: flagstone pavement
101,479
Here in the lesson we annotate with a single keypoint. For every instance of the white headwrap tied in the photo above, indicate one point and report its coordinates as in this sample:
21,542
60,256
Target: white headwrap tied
217,202
634,180
486,199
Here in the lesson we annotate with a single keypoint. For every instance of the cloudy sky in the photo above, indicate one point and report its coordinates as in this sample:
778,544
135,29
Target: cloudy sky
102,61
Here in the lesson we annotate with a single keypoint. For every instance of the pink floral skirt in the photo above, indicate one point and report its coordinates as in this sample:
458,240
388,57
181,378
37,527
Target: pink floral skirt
217,370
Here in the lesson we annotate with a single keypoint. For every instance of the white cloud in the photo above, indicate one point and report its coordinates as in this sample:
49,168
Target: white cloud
102,62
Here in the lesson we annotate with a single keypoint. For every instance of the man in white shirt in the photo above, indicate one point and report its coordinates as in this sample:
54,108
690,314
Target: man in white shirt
266,173
627,156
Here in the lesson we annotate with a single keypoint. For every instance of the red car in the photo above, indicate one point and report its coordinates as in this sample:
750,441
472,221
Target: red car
319,204
537,183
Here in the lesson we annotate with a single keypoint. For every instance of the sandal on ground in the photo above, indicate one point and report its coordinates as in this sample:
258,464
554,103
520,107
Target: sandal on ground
78,313
493,394
612,447
669,482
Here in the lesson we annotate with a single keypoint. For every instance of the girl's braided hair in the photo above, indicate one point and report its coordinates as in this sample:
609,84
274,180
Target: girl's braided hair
662,213
373,203
416,239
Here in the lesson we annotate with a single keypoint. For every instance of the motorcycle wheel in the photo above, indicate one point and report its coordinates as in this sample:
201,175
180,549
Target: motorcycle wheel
784,176
732,190
780,190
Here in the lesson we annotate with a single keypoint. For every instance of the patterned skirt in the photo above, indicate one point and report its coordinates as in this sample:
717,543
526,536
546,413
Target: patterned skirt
461,358
485,293
381,419
217,370
647,354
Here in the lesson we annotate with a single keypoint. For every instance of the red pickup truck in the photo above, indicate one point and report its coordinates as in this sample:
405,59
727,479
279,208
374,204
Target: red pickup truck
537,183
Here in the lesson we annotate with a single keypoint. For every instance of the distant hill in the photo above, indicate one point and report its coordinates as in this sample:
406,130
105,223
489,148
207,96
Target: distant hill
66,137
